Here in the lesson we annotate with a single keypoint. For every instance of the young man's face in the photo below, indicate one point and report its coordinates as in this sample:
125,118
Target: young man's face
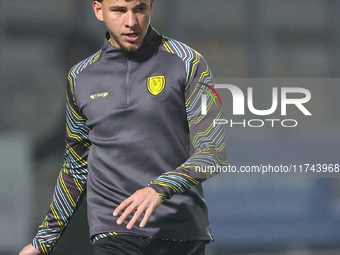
126,20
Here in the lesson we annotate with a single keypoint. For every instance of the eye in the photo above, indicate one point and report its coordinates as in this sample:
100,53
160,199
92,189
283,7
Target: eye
140,10
118,10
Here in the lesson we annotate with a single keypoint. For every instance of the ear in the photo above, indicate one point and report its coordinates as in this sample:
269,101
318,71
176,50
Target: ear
151,3
98,10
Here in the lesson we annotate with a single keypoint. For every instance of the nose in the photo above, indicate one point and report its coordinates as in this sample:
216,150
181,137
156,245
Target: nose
130,20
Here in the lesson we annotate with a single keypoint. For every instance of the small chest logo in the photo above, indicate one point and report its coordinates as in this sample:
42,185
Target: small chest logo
94,96
156,84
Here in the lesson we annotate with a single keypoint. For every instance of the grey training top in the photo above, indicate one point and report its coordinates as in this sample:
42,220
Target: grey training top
134,120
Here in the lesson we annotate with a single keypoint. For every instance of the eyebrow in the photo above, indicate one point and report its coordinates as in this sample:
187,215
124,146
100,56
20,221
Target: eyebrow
117,7
142,5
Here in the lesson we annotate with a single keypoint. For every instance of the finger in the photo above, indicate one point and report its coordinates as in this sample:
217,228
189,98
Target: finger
122,206
135,217
126,213
146,217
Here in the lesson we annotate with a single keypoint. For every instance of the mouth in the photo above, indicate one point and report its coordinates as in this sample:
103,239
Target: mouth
131,37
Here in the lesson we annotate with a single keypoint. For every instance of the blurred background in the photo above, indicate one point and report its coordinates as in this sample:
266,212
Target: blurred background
248,43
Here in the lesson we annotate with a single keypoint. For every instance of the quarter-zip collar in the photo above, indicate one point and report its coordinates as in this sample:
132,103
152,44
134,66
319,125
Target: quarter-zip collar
129,60
149,47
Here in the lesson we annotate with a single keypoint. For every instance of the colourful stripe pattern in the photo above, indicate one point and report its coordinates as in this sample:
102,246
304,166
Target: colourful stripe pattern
70,189
208,142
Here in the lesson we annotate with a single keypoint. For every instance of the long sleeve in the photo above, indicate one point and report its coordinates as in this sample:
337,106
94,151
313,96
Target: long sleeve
207,140
70,189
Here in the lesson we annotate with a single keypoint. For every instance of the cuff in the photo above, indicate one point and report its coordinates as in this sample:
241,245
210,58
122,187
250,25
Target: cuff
163,191
41,246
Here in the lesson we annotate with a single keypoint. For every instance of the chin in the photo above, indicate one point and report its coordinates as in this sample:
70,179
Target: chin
132,47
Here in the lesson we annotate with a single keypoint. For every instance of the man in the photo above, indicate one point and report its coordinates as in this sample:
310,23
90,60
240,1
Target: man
133,109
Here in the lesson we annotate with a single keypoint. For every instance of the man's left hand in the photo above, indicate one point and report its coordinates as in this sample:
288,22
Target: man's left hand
142,201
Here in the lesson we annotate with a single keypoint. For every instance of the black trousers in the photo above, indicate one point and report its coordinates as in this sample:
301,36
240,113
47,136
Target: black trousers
137,245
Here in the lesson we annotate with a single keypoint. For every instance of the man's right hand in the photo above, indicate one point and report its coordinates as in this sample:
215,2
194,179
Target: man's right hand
30,250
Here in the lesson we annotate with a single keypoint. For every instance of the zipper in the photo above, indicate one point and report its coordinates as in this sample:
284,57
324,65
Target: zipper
127,80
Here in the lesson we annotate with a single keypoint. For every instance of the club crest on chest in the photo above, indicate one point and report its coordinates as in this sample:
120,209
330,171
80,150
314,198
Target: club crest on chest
156,84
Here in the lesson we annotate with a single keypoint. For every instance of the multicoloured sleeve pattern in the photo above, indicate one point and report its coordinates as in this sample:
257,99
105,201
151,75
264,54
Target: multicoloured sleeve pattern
70,189
207,139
